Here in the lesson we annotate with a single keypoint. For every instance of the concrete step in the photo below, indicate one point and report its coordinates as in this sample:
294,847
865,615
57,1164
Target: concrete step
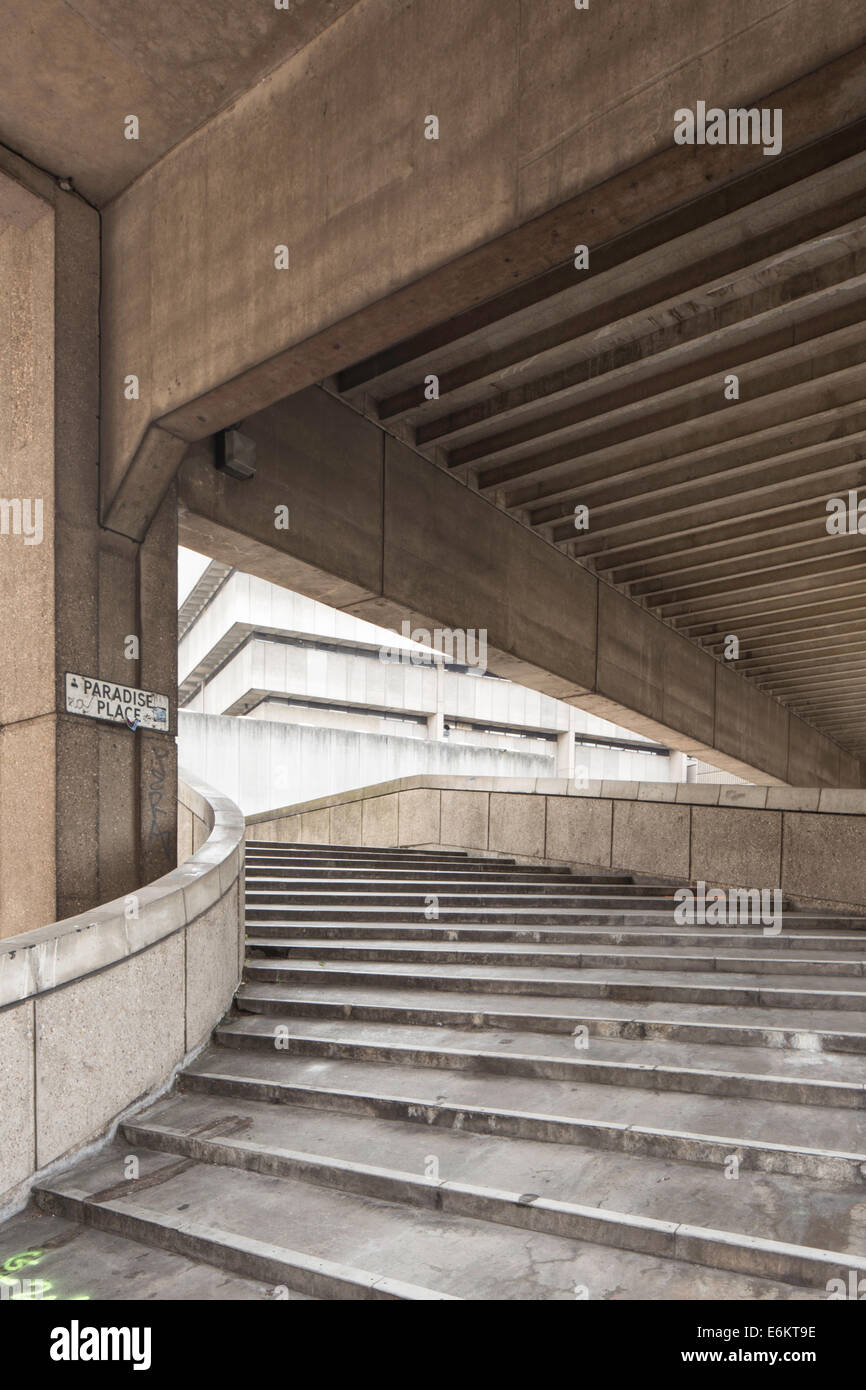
275,899
821,1142
453,1240
483,889
273,872
812,1031
748,991
619,1192
797,1078
394,860
596,915
353,851
741,938
837,964
76,1262
336,854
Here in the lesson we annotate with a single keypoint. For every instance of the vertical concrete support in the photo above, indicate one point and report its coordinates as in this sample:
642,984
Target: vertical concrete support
436,721
679,765
87,808
565,748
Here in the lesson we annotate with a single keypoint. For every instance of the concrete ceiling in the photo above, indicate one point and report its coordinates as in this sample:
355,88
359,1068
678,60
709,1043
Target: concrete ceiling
74,69
608,389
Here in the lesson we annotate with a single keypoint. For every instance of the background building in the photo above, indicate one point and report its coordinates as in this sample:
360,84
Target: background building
282,698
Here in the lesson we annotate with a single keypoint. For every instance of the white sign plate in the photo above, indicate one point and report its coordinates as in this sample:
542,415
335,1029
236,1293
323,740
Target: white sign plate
121,704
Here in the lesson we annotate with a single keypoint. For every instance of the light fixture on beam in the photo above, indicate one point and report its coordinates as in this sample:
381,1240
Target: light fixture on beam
236,454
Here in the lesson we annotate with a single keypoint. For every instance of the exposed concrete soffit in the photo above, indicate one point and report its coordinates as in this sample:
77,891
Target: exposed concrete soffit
672,182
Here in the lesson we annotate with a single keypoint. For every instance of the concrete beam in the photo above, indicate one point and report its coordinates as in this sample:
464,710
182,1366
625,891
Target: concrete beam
391,536
192,239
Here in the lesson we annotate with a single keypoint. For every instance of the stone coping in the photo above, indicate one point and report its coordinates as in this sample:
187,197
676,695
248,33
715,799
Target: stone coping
38,961
831,800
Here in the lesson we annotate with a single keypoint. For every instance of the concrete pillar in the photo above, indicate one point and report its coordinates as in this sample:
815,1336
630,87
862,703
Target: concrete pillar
436,720
565,748
87,808
678,765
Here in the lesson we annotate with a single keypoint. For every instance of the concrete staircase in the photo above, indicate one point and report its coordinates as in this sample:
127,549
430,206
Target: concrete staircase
453,1076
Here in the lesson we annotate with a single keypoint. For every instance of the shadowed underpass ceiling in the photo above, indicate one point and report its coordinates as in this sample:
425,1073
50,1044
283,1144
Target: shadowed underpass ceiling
82,66
607,389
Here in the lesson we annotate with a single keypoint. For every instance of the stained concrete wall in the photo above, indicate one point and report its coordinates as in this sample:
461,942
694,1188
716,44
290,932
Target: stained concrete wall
87,808
811,844
96,1012
257,761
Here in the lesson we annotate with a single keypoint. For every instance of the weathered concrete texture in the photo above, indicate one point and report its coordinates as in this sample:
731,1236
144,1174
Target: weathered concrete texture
379,824
652,838
517,824
86,814
584,1087
465,818
313,826
645,665
578,830
170,68
451,555
111,1001
345,825
502,157
746,718
730,845
419,822
827,854
17,1100
80,1263
211,966
105,1041
738,836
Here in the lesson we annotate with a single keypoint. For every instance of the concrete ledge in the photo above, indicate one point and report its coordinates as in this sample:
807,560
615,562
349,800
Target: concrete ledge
808,842
98,1011
37,961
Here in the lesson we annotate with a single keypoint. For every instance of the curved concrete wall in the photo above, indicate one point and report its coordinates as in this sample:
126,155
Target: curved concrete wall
811,843
97,1011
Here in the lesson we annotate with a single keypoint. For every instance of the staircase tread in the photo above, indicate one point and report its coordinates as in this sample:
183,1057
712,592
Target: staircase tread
726,980
558,1006
775,1206
563,948
786,1064
780,1122
455,1255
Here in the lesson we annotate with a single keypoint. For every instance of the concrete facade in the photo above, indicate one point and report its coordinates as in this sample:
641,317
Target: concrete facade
331,713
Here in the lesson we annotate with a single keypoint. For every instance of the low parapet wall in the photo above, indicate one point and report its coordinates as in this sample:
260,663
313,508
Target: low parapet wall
811,843
97,1011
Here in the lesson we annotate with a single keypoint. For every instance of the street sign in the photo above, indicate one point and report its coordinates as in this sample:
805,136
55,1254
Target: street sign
120,704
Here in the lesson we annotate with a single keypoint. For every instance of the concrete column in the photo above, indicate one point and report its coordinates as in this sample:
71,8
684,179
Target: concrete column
87,808
565,748
436,720
678,765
